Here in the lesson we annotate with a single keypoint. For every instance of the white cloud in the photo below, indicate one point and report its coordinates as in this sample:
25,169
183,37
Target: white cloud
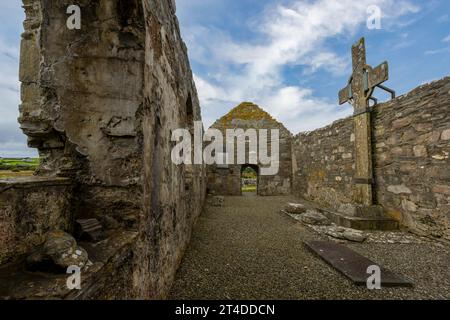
437,51
305,112
12,140
294,34
9,82
446,39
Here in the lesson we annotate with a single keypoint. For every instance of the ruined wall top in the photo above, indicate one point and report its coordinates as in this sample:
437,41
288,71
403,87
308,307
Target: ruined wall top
248,115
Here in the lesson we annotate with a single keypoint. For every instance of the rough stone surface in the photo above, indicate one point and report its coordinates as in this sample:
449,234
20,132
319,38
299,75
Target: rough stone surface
226,180
61,250
100,105
411,160
218,201
315,218
295,208
29,208
346,234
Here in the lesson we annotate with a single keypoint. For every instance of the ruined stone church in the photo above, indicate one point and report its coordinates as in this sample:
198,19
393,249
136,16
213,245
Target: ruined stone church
226,180
100,106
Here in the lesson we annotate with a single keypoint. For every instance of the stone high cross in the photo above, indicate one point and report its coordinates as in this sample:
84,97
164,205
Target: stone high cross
358,92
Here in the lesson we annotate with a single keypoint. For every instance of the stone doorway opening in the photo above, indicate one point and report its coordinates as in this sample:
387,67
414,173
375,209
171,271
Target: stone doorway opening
249,180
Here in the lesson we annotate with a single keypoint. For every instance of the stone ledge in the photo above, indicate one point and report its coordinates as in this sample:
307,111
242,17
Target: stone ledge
34,181
111,260
359,223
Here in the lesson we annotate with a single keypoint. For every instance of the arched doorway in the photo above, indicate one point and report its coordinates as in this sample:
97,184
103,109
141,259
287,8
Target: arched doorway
249,180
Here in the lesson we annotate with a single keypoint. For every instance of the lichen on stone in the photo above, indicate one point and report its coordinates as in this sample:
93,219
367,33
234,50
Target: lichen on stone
245,111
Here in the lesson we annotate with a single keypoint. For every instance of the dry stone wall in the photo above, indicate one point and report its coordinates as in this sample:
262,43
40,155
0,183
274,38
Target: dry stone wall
412,166
411,141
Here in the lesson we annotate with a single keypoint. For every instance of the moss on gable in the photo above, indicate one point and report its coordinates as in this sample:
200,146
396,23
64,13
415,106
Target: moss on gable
245,111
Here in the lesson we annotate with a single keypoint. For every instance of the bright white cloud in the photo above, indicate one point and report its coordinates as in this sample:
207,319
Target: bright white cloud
295,34
12,140
437,51
446,39
9,82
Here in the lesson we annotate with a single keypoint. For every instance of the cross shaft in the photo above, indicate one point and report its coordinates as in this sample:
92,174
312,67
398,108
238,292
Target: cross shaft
358,92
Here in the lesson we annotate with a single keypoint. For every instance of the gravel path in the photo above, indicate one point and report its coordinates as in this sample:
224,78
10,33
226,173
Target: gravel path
247,249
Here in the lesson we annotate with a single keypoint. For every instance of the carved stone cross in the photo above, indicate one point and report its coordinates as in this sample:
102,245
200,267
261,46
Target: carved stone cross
358,92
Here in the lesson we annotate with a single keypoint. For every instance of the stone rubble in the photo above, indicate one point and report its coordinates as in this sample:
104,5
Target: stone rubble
61,250
346,234
217,201
337,233
313,217
295,208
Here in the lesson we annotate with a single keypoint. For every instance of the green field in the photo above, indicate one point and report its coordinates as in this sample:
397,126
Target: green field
19,164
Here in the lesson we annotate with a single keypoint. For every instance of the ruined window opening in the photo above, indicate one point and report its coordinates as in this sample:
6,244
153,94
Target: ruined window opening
190,113
249,180
189,169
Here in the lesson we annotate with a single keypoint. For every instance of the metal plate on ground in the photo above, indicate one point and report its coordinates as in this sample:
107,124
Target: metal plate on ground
353,265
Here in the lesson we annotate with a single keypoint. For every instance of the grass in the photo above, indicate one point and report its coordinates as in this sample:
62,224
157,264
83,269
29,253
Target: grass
249,189
7,174
18,164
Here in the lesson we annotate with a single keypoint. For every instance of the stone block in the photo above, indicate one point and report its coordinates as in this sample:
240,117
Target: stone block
442,189
420,151
409,205
399,189
314,217
295,208
346,234
401,123
445,136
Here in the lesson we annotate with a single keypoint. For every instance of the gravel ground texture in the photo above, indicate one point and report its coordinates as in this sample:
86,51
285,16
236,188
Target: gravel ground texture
248,249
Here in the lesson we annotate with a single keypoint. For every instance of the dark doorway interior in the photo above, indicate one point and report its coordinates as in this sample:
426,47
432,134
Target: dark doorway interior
249,180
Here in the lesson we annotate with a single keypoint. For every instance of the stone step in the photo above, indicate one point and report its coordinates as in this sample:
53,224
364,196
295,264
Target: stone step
361,223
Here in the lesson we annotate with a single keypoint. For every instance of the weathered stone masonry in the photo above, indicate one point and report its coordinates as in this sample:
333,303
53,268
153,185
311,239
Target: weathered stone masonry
411,145
100,104
226,180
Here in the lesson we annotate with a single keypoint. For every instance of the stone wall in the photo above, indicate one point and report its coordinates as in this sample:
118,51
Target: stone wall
82,91
226,180
412,167
411,142
173,195
29,208
324,164
100,104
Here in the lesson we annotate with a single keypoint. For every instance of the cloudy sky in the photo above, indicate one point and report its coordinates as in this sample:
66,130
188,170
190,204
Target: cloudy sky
289,56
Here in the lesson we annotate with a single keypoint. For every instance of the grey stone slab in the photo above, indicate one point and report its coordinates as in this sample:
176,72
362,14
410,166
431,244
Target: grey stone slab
353,265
